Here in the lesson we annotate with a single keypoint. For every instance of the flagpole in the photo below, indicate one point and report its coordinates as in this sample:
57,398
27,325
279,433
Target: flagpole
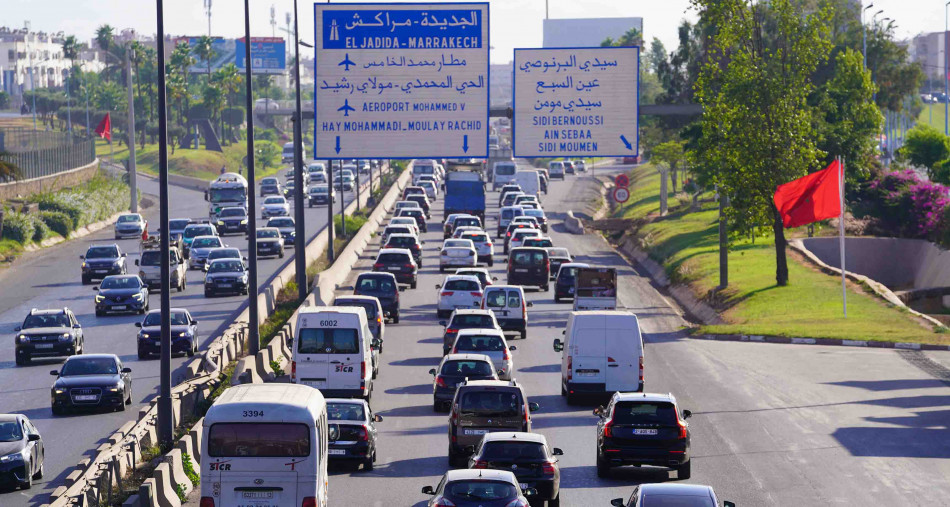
844,293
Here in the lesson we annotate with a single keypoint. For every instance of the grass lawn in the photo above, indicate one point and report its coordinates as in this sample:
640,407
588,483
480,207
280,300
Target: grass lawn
932,114
686,243
200,163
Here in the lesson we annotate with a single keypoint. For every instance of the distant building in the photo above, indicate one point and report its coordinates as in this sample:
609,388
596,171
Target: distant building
586,32
22,49
500,84
928,49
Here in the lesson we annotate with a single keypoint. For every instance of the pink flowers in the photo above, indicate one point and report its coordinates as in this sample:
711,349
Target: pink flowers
912,206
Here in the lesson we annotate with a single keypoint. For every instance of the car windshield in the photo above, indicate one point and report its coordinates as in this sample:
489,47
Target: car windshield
528,258
226,266
559,252
481,491
120,282
269,181
467,221
567,274
411,212
328,341
375,284
368,307
129,218
178,224
319,189
102,252
480,343
10,431
505,169
467,368
457,243
206,243
513,451
462,285
401,241
538,242
497,299
345,412
281,222
485,403
524,233
155,319
469,321
645,413
232,212
535,213
666,500
48,320
89,366
274,200
392,258
224,253
193,232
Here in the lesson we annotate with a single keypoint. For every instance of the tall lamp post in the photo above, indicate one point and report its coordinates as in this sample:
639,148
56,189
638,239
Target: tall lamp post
864,34
254,341
300,253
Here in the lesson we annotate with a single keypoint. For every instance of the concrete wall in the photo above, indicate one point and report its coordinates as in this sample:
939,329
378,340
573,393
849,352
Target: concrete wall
71,178
901,264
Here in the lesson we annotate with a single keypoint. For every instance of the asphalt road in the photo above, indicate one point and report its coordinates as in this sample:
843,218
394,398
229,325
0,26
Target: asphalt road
771,425
50,279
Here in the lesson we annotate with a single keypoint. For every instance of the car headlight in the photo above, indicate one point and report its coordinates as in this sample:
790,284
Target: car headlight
117,262
182,334
83,264
144,336
114,389
23,338
65,337
11,457
100,299
59,390
243,221
220,222
138,297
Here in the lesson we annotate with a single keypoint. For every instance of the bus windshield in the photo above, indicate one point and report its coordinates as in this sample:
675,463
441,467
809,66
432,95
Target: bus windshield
227,194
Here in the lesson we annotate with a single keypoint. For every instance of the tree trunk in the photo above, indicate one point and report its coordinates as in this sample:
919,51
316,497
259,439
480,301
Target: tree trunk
781,261
673,173
664,174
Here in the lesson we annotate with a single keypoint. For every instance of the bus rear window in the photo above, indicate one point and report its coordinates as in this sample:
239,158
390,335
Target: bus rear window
259,440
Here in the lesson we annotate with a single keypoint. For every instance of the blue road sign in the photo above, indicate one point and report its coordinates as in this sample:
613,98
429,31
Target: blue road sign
268,55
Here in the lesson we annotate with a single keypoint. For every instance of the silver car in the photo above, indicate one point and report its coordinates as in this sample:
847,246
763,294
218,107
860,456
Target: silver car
200,248
129,225
490,342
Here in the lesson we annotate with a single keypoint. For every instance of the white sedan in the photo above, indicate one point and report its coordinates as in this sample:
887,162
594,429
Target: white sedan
457,253
275,206
408,222
483,245
458,291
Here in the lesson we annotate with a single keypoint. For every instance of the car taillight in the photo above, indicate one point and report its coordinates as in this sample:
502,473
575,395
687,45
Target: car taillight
524,309
508,234
443,502
476,294
488,244
446,294
439,381
608,429
416,247
547,468
379,319
504,354
378,265
307,502
480,464
362,369
364,434
293,371
451,331
641,370
682,425
549,266
207,501
570,371
407,265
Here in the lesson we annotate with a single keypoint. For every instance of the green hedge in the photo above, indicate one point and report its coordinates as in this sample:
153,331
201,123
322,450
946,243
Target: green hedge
18,227
353,224
50,203
40,229
95,200
58,222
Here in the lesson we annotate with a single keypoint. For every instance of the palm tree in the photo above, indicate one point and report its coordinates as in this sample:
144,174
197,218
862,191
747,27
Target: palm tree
229,79
105,37
178,65
71,49
204,50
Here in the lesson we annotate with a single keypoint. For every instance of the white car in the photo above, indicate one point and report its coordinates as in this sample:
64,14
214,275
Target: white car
129,225
275,206
458,291
200,247
457,253
287,228
484,277
490,342
408,222
518,237
432,190
483,245
406,204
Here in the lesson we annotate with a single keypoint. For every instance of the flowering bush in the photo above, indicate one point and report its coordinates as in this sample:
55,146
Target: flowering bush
909,206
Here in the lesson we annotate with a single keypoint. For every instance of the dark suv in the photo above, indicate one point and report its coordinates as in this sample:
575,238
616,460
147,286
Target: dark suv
453,370
485,406
526,455
529,265
465,318
48,333
400,263
643,429
417,214
409,242
382,286
232,220
101,261
564,283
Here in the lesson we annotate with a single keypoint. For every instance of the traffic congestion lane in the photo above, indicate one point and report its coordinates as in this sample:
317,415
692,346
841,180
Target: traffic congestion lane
51,280
772,424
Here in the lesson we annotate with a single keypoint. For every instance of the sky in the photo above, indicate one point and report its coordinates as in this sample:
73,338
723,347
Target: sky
514,23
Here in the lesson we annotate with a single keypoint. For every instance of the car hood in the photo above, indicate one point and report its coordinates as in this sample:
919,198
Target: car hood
10,447
102,261
158,329
118,292
224,275
269,240
46,330
87,381
275,206
201,252
129,225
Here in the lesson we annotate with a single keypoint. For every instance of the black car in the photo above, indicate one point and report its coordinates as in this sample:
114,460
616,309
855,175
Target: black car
226,276
400,263
223,253
557,257
526,455
351,431
564,283
465,318
642,429
184,333
91,381
423,202
48,333
409,242
452,371
101,261
21,452
232,220
270,242
529,266
681,495
121,293
382,286
319,194
416,213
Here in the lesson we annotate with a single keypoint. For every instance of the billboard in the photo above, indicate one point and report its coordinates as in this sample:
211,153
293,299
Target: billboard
401,80
269,54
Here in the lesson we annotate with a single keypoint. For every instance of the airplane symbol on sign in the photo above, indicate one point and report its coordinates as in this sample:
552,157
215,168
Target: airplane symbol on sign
346,62
346,108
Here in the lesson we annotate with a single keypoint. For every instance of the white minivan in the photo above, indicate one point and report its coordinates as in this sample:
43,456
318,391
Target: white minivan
530,182
503,173
602,354
333,351
265,444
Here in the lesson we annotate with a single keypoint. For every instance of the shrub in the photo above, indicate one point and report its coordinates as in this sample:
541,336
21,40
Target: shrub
40,229
50,202
58,222
18,227
907,206
353,224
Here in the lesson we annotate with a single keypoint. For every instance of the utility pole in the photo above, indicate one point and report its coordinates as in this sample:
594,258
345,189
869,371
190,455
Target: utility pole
131,131
273,21
330,251
166,429
208,13
252,321
300,250
69,115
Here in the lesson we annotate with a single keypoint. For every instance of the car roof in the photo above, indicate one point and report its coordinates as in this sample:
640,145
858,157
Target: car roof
471,278
395,251
349,401
677,489
259,229
465,474
171,310
490,383
514,436
506,287
472,311
403,235
480,270
372,299
93,356
644,397
466,356
48,311
482,330
10,417
575,265
376,274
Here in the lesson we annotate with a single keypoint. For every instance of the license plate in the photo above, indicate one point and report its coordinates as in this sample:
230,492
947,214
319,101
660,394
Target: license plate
521,270
475,432
586,374
119,307
314,383
44,345
102,271
85,397
336,452
257,495
644,432
224,285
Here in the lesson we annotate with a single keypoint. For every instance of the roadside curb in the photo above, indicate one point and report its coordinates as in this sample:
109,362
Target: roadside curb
840,342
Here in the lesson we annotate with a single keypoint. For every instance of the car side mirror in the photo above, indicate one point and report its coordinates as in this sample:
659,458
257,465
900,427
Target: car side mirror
599,411
558,346
617,502
82,256
54,373
377,418
245,259
513,348
95,288
494,278
557,452
533,407
727,503
438,286
126,370
442,323
138,324
530,303
402,289
432,371
194,321
687,414
136,262
427,490
33,437
124,254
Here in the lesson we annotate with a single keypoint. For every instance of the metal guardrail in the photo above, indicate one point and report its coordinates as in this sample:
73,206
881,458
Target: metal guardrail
38,154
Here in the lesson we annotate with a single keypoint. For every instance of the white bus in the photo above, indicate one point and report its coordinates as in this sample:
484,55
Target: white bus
334,351
265,445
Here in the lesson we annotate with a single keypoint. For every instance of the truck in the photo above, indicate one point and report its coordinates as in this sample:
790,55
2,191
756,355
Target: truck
226,191
595,289
465,193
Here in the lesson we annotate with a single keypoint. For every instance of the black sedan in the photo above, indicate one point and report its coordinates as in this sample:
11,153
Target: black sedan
91,381
232,220
526,455
226,276
120,294
352,431
382,286
21,452
184,333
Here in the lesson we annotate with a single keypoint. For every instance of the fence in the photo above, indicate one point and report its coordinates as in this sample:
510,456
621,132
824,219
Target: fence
38,154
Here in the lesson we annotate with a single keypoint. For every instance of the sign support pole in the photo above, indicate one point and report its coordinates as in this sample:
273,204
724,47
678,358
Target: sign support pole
844,291
254,341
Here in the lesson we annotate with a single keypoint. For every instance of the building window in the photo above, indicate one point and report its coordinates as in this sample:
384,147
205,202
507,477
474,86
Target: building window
11,55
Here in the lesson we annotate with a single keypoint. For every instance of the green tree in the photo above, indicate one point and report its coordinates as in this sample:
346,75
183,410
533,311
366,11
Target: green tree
924,146
204,50
105,37
631,37
71,48
178,65
266,154
8,170
756,124
213,99
671,155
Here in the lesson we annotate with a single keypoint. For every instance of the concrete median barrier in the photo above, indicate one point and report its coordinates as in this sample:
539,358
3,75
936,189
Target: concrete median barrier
573,224
164,487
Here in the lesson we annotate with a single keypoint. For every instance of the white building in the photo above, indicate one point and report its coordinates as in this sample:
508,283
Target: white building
928,49
22,50
586,32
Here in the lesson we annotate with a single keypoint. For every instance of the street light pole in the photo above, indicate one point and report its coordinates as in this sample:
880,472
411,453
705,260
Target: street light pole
300,253
252,321
134,208
864,35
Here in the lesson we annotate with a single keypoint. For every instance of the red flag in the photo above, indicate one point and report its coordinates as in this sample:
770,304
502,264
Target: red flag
811,198
105,128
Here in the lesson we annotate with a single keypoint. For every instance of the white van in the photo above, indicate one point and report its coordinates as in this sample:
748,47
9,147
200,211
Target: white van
603,354
422,168
505,216
503,173
265,444
530,182
332,351
556,169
